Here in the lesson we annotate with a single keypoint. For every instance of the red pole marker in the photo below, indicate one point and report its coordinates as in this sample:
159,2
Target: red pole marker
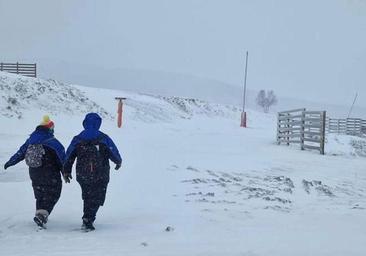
119,111
119,120
243,122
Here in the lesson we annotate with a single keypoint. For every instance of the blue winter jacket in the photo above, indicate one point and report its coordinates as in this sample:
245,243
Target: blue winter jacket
42,136
91,124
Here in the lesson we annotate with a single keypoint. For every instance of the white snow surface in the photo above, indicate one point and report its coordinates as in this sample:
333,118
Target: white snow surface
187,165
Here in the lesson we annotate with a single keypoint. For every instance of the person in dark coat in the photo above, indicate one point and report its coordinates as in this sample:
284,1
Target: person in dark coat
45,156
93,149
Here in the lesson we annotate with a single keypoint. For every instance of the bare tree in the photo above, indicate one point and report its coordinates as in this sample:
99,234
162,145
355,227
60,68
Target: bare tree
266,100
261,99
271,99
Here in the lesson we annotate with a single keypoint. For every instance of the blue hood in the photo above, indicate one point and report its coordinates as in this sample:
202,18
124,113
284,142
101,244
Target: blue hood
91,123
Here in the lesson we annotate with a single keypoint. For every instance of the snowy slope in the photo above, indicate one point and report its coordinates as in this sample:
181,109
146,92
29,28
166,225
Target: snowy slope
187,86
19,93
222,189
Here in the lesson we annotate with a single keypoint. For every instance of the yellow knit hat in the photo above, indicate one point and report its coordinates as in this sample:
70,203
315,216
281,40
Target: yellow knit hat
47,122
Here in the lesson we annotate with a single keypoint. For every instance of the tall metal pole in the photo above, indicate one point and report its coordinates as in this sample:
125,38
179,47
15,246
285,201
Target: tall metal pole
244,114
245,81
350,111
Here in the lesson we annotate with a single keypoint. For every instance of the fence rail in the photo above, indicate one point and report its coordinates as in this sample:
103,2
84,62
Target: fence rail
306,128
20,68
350,126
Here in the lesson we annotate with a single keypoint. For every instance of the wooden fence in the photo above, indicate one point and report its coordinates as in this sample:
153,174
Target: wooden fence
306,128
20,68
350,126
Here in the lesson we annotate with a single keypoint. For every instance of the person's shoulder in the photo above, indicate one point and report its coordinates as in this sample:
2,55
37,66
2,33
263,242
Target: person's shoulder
37,132
102,134
54,140
104,138
76,139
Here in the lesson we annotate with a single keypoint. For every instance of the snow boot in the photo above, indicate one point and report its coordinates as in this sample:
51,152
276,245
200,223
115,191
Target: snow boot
87,225
41,218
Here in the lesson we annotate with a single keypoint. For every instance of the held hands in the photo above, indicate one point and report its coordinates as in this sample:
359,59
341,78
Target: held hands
6,165
67,177
117,166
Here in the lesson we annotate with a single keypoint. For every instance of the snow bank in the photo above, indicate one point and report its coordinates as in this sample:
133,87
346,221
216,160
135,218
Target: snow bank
23,95
345,145
20,94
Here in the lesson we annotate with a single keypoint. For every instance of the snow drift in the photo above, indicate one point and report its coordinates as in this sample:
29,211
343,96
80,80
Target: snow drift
20,93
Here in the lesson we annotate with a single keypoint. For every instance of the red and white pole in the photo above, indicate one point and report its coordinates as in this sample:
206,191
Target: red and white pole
119,111
243,122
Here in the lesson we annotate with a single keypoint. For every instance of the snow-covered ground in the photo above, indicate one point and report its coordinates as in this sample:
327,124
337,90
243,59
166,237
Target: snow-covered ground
192,183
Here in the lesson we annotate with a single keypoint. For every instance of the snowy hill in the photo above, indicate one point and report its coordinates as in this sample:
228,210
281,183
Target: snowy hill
22,94
146,81
19,94
192,183
172,84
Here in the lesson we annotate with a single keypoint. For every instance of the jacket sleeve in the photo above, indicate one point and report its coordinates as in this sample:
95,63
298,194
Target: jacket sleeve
114,155
19,155
70,156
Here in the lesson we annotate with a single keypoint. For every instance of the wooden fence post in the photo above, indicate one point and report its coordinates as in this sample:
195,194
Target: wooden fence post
278,129
302,131
322,137
288,132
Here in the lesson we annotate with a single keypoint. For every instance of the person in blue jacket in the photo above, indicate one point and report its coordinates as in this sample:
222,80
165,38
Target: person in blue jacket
45,156
93,149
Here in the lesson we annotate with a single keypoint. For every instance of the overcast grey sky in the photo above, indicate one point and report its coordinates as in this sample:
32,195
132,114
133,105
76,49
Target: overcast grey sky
312,49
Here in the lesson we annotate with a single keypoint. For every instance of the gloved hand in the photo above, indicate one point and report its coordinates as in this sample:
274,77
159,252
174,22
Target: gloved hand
117,166
67,177
7,165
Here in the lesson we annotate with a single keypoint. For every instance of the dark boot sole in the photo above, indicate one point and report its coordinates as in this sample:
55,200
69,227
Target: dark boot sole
39,222
86,230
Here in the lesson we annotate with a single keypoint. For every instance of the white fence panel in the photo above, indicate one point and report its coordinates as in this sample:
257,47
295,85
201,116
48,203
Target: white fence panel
350,126
299,126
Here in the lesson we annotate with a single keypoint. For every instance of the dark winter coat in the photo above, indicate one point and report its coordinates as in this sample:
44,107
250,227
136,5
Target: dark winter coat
107,150
52,161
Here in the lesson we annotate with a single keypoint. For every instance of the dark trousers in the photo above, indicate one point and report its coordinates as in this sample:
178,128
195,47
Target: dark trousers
93,195
47,196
